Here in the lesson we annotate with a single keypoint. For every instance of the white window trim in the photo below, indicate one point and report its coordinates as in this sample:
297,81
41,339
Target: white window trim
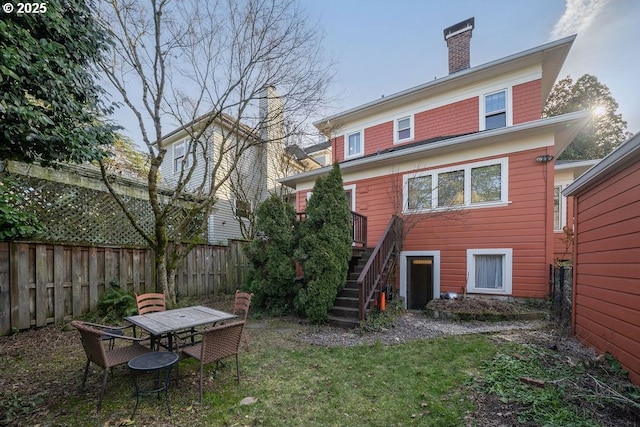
504,179
563,207
396,140
508,106
187,155
403,272
351,187
346,144
507,271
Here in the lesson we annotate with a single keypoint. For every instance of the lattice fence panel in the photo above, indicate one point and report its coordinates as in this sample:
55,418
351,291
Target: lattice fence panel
74,214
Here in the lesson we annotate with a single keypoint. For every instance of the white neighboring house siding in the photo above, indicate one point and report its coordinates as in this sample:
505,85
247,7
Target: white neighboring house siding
222,224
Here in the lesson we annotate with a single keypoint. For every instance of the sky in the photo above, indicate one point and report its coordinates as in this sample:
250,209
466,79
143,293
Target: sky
381,47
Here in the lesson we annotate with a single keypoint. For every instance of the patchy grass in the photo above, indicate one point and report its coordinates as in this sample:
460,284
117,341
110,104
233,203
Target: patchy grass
448,381
417,383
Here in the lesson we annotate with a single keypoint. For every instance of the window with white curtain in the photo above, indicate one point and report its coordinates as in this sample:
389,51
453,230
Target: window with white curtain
489,271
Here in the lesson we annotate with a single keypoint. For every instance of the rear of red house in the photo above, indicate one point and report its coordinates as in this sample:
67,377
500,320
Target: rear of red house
606,283
467,162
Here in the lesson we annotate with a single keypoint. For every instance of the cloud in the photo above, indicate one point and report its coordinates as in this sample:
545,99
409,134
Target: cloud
577,17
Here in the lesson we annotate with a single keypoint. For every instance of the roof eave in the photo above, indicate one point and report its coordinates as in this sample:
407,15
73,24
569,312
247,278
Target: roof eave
551,55
565,126
628,151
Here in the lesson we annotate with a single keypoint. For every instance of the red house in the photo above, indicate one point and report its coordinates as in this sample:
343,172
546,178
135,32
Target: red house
466,163
606,271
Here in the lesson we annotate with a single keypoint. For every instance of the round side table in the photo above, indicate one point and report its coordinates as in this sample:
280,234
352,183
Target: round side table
153,363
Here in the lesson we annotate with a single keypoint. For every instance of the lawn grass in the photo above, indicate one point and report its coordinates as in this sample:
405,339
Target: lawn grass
296,384
427,382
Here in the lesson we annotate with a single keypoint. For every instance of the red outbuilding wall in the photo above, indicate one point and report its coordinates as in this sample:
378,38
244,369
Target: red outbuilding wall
607,266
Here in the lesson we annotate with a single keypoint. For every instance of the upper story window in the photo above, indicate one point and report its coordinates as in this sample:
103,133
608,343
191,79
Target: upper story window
242,208
403,129
495,110
181,155
354,144
471,185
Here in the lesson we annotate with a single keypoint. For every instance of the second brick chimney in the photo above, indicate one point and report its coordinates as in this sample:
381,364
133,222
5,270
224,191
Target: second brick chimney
458,38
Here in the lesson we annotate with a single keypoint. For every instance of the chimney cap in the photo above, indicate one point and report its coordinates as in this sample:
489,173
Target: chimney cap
460,27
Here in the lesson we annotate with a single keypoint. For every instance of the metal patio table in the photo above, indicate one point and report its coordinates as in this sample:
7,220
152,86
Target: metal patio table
170,322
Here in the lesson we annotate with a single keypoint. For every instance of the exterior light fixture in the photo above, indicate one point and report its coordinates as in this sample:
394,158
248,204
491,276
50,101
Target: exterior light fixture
544,158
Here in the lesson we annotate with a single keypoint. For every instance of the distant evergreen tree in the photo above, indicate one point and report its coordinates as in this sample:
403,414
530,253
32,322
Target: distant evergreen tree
604,132
272,273
325,247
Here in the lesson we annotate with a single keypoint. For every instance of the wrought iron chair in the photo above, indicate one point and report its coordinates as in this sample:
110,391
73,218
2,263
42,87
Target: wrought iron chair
217,343
241,306
93,341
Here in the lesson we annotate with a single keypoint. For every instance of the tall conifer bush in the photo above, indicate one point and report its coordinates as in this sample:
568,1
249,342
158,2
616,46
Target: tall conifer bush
272,273
324,249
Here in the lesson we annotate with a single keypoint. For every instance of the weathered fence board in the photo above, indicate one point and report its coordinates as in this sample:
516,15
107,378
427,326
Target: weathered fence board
5,297
43,283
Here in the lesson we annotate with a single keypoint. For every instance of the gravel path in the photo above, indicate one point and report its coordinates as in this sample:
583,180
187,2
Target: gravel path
410,326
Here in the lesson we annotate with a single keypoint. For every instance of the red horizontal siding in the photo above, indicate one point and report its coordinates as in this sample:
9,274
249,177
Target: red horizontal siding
607,276
527,102
521,225
452,119
379,137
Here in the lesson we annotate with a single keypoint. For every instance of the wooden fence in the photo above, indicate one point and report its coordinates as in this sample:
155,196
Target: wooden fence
44,283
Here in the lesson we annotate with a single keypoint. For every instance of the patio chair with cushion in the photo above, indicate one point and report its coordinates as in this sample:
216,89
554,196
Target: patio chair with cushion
241,306
93,338
217,343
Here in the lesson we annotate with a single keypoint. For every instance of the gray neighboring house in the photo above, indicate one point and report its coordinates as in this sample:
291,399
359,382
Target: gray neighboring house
249,182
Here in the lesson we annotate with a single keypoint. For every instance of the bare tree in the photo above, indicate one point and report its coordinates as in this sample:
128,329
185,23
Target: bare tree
202,66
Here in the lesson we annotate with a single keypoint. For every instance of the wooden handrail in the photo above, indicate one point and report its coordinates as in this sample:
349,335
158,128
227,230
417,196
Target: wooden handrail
369,280
358,228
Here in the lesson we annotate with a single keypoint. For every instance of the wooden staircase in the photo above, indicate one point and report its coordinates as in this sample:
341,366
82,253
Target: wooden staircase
368,271
345,312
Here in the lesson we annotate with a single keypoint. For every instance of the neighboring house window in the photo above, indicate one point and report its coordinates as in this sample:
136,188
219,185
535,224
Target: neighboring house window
320,158
495,110
559,208
353,145
471,185
403,129
179,153
242,208
489,271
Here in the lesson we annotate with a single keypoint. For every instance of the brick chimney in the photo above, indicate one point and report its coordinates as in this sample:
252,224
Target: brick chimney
458,38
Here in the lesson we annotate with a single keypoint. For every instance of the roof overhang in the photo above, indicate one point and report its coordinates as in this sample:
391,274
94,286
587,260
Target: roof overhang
576,168
625,154
564,128
551,56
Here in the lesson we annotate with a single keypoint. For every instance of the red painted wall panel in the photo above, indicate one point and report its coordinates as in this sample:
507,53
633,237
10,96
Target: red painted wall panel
607,271
457,118
527,102
521,225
